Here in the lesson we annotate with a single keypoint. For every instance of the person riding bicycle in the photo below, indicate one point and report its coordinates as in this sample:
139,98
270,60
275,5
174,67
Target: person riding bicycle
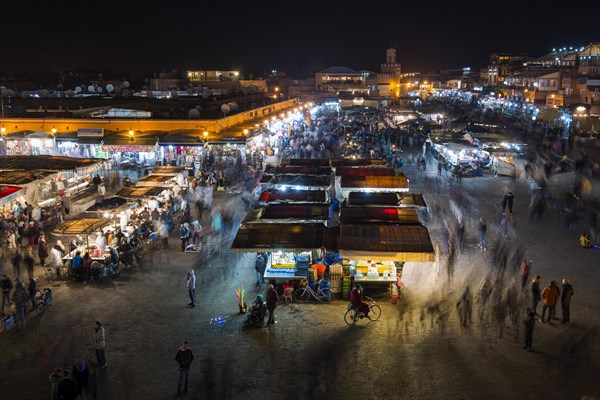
356,299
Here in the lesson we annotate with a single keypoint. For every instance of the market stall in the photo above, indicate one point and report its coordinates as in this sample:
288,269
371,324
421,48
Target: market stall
292,245
470,160
9,194
377,253
84,231
147,199
53,185
392,199
506,163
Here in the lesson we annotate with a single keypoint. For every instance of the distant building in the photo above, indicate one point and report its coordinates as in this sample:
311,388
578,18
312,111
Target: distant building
589,60
554,60
336,79
456,78
167,81
502,64
588,83
199,76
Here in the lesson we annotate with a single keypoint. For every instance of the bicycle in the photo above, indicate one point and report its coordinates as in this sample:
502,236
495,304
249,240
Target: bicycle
352,314
44,300
304,294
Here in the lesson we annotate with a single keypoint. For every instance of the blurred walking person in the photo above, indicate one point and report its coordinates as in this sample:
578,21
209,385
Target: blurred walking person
525,271
482,229
81,373
529,322
42,250
536,294
100,343
508,200
465,307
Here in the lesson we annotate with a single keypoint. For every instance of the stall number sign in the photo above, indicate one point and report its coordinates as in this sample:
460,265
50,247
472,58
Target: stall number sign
90,132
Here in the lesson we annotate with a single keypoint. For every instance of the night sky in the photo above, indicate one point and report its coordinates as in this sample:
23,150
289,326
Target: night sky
255,36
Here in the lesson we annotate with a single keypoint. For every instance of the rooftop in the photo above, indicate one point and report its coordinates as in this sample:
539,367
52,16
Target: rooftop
337,70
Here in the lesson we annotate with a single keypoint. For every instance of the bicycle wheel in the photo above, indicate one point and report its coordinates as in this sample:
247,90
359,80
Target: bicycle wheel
301,295
325,295
374,312
40,308
350,317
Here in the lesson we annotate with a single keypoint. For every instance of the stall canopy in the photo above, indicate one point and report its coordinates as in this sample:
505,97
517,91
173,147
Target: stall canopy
51,163
353,215
306,161
153,180
81,226
366,171
9,193
375,182
279,237
301,169
266,178
109,204
409,243
294,195
138,192
356,162
393,199
301,181
287,213
167,170
23,177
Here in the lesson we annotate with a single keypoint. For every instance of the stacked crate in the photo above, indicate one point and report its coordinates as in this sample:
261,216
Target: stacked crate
335,273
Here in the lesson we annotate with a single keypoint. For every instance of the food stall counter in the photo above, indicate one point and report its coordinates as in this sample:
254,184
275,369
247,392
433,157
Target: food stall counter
287,266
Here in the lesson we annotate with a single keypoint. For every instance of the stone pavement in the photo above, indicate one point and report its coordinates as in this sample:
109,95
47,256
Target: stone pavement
311,353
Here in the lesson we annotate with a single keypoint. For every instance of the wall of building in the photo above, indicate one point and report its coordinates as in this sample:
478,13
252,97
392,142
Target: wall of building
213,126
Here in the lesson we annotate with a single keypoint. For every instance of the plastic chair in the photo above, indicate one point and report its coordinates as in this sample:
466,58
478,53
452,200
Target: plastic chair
287,294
